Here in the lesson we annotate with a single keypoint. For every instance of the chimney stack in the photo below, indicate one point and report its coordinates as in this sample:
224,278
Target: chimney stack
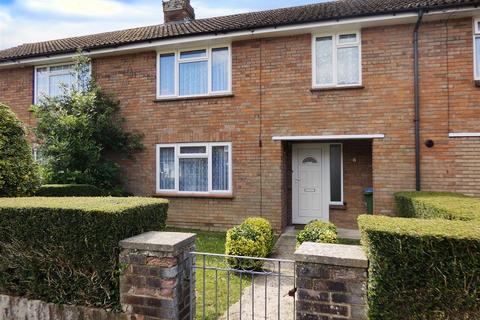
177,11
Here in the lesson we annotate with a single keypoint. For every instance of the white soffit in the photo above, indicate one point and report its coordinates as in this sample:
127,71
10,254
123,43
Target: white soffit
329,137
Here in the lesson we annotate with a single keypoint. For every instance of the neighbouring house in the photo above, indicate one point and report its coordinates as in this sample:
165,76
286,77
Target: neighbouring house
287,113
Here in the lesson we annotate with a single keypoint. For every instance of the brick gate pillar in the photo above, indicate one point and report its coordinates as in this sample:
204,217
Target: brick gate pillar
155,280
331,282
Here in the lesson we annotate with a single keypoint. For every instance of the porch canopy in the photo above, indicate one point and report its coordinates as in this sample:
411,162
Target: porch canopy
329,137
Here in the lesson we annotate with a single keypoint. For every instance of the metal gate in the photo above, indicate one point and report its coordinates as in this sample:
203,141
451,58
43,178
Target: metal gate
233,287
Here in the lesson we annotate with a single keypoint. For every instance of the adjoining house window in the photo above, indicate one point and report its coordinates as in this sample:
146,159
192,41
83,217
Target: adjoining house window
194,168
197,72
51,81
476,48
336,174
336,60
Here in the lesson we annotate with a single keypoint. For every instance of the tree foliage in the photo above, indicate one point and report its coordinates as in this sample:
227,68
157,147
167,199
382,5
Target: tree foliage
81,133
18,171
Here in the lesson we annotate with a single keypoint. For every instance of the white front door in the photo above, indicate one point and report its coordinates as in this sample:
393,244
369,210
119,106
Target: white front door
310,182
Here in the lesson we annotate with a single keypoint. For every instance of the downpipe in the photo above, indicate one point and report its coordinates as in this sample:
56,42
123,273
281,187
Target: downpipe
416,84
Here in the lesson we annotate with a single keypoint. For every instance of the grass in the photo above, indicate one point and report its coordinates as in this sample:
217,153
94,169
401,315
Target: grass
216,282
348,241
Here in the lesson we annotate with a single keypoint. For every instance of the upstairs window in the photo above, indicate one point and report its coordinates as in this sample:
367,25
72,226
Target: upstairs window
189,73
51,81
336,60
204,168
476,48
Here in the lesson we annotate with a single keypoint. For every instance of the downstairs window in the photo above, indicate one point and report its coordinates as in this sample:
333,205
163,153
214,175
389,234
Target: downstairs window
204,168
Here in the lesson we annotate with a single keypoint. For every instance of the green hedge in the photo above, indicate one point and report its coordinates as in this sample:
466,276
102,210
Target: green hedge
65,250
444,205
69,190
427,267
318,231
252,238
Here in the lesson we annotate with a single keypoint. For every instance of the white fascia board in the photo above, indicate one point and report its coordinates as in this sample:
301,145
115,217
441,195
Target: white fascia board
329,137
463,134
269,31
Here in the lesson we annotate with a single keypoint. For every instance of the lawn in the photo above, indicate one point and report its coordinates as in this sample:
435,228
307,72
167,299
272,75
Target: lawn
217,282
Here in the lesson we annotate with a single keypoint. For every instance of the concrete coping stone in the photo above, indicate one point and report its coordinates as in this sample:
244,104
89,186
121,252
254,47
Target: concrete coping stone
333,254
159,241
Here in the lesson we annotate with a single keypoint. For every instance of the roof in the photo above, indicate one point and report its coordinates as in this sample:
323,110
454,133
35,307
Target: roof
237,22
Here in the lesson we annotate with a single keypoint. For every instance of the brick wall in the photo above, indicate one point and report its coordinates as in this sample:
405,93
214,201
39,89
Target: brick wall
280,68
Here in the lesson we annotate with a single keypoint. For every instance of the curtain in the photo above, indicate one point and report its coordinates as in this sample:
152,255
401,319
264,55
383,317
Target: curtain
193,78
167,168
193,174
347,65
220,168
324,63
167,74
220,69
59,83
42,83
477,51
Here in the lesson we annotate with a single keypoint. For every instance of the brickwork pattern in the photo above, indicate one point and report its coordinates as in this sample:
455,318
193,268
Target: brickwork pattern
156,284
272,82
329,292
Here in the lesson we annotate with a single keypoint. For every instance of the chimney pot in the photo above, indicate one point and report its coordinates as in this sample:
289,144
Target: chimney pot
177,11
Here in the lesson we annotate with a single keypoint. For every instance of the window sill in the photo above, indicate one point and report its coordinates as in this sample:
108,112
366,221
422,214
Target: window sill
333,88
193,195
338,206
212,96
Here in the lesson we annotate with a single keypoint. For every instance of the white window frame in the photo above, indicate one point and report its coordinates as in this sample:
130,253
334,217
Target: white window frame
207,155
208,58
335,46
341,202
476,34
48,66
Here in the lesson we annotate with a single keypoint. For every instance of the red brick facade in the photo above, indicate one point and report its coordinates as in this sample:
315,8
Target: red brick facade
272,96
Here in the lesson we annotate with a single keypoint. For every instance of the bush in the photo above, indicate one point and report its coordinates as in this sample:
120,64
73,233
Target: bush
81,134
253,238
265,228
69,190
444,205
18,171
65,250
318,231
424,268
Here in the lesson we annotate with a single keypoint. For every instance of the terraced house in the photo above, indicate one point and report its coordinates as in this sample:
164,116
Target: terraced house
287,113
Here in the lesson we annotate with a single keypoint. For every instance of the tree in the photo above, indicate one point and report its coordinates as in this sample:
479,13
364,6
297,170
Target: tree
18,171
80,133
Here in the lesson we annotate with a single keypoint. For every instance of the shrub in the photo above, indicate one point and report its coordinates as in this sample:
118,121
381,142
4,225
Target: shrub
18,171
65,250
265,228
318,231
253,238
69,190
424,268
81,134
444,205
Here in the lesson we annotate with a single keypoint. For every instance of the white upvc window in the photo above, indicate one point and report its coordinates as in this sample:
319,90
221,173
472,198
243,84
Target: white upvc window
476,49
200,168
194,72
52,80
336,174
336,60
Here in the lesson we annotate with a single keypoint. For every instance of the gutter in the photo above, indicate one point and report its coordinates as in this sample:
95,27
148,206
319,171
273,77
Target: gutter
416,89
208,36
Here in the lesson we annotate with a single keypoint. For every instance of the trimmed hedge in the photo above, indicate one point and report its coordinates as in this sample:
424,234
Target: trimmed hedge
318,231
65,250
443,205
424,268
252,238
69,190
